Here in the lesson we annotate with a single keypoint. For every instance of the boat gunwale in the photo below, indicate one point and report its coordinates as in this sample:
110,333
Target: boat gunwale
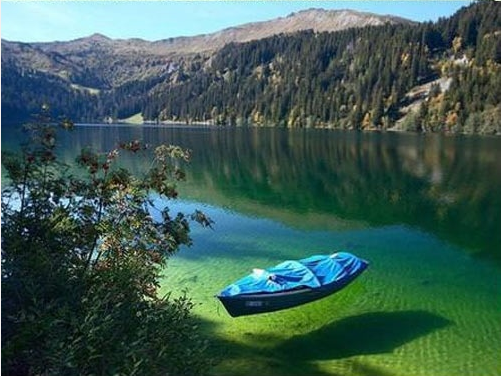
270,294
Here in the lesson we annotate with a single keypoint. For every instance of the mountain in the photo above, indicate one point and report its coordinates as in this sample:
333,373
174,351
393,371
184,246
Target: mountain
312,68
90,75
110,63
318,20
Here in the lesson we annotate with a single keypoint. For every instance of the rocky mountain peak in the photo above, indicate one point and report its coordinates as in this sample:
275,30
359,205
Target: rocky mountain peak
319,19
97,37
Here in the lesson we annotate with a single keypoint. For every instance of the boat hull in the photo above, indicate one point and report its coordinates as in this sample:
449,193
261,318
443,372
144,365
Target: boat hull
251,304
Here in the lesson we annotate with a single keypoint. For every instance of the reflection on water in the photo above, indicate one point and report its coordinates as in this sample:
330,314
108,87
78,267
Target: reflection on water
447,186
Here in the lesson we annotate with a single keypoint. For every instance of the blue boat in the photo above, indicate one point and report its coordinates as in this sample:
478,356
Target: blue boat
291,283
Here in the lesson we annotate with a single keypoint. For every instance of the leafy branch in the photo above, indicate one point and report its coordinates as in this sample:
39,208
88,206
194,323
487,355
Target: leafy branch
81,257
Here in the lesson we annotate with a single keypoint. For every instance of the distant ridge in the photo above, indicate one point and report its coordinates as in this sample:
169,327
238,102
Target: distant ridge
318,20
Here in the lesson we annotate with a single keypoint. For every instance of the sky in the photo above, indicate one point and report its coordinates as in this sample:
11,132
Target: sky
62,20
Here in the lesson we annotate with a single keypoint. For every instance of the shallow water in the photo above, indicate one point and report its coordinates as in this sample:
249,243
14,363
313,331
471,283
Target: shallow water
425,211
422,308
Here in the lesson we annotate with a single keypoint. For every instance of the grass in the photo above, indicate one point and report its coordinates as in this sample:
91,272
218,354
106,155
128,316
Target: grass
134,119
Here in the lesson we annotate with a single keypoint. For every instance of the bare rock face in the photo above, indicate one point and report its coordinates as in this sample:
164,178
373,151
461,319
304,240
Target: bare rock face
318,20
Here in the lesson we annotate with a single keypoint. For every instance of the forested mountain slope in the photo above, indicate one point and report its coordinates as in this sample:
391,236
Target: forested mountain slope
356,78
95,77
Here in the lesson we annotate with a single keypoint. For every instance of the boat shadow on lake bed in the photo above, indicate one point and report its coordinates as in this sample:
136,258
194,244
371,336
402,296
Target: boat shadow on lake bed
368,333
341,340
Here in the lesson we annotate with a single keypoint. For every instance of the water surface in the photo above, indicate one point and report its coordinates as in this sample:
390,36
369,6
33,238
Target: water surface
425,210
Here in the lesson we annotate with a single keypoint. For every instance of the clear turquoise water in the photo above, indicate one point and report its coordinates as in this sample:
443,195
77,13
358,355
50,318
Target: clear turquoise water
423,308
424,210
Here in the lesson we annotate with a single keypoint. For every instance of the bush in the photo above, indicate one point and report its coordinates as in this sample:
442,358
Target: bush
81,257
487,122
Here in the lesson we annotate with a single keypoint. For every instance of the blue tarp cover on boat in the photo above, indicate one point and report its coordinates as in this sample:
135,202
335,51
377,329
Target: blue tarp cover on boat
314,271
335,267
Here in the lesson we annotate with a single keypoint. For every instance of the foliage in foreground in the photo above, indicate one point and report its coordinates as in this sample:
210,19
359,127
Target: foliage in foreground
81,256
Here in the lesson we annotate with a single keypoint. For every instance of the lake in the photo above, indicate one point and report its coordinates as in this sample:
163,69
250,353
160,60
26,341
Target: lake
424,210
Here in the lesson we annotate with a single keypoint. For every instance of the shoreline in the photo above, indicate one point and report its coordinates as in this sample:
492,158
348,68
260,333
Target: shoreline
209,124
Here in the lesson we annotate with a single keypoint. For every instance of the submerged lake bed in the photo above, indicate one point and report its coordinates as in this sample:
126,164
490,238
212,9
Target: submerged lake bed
424,210
419,309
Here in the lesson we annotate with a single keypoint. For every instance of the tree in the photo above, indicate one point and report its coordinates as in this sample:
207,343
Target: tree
81,256
378,109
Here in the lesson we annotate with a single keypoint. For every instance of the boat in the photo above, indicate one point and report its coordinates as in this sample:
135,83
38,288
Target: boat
291,283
